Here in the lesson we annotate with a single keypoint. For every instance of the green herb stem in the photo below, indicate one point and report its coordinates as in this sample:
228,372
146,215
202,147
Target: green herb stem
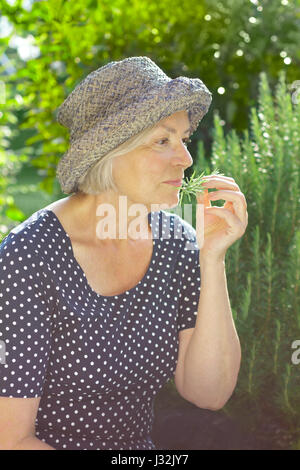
194,185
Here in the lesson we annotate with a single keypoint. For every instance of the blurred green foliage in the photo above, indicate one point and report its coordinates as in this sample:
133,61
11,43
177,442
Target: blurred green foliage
263,266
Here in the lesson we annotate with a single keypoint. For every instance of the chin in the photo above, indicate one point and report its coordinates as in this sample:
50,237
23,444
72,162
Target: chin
171,206
168,202
172,203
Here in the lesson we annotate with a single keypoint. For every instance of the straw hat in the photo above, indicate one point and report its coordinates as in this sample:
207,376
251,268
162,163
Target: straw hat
116,102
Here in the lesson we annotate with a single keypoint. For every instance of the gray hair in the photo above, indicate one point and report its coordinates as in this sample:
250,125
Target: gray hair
99,177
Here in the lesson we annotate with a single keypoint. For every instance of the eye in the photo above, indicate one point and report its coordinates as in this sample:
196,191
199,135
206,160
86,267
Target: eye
186,141
161,140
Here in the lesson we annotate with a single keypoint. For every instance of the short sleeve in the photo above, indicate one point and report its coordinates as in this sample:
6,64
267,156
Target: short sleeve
25,320
190,287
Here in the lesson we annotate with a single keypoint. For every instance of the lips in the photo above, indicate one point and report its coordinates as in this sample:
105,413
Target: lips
174,182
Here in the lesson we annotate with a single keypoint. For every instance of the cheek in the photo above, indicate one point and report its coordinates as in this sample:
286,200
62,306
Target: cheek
157,164
124,169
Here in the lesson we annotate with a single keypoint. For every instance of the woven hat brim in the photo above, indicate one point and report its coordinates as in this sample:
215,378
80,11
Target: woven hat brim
177,94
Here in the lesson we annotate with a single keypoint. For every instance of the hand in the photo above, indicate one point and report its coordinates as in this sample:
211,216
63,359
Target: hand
222,225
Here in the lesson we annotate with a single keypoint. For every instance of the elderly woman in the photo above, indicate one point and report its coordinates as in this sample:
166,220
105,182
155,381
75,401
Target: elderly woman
95,322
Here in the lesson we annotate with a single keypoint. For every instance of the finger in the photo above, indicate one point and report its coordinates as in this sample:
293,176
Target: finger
219,176
229,205
232,220
203,198
220,183
228,195
237,198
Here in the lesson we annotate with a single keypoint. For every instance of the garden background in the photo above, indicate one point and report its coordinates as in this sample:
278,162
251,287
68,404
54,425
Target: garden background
248,55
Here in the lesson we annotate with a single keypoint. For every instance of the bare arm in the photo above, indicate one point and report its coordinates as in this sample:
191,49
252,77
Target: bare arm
213,356
32,443
17,424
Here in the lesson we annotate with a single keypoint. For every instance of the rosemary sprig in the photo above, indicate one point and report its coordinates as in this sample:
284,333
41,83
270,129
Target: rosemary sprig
194,185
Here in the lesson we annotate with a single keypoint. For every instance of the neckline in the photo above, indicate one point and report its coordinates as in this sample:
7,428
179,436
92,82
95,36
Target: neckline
80,269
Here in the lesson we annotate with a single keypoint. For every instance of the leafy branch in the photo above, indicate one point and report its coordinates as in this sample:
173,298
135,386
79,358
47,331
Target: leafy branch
194,185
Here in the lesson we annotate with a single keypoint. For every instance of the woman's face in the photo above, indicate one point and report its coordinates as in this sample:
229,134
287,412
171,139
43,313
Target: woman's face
142,173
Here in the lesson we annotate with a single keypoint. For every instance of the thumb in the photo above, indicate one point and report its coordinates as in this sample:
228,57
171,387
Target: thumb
202,197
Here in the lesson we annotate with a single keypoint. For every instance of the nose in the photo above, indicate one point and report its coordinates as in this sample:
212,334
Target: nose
184,157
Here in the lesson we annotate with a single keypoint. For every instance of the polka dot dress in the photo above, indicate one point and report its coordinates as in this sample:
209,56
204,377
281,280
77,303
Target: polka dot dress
97,362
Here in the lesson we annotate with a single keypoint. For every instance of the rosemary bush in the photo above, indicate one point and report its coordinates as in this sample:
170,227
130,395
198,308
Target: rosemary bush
263,266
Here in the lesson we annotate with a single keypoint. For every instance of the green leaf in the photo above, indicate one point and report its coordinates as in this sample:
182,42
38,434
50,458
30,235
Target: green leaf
15,214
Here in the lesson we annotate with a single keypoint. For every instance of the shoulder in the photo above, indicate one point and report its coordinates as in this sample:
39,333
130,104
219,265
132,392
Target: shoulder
27,237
